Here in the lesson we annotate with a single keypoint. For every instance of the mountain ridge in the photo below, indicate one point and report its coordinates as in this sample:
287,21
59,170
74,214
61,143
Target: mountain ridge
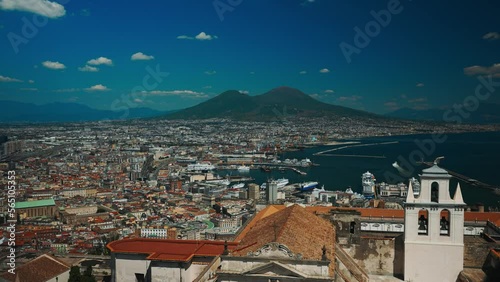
13,111
278,103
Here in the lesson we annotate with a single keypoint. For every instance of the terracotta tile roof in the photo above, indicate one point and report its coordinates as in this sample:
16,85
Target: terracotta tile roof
269,210
301,231
42,268
170,250
390,213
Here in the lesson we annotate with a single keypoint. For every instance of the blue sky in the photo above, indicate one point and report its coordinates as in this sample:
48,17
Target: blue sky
427,55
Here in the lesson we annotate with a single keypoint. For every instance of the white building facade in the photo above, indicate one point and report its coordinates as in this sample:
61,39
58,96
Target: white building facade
434,230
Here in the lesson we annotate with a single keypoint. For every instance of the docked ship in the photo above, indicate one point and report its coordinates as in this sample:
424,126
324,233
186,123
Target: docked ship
265,169
306,186
415,185
200,167
222,181
243,168
282,182
368,183
238,186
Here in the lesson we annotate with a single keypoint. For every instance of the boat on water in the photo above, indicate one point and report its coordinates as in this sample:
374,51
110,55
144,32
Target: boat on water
265,169
415,186
282,182
306,186
219,181
368,183
238,185
200,167
243,168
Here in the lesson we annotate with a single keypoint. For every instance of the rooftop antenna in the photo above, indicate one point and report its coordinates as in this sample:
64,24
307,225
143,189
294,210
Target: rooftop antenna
436,161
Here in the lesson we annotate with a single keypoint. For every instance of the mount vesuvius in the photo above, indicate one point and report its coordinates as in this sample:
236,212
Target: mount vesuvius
276,104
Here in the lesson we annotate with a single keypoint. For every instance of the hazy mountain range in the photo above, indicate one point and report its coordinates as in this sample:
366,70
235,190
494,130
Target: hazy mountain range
277,104
486,113
64,112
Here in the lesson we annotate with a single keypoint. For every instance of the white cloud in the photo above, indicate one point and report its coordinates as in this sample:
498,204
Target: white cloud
137,100
491,36
420,84
184,37
100,61
302,72
88,68
244,91
9,79
53,65
324,70
201,36
41,7
29,89
98,87
31,81
329,91
210,72
207,87
139,56
480,70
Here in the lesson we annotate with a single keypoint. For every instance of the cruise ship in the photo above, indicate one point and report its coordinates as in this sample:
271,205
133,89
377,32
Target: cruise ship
238,185
306,186
282,182
415,185
219,181
200,167
368,182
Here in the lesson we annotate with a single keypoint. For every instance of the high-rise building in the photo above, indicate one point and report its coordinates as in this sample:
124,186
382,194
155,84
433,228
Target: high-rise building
253,191
272,192
434,229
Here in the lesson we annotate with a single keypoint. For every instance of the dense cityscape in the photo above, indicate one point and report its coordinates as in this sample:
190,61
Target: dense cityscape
262,141
80,186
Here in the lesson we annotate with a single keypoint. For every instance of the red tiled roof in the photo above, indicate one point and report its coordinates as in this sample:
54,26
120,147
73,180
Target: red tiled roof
42,268
171,250
390,213
301,231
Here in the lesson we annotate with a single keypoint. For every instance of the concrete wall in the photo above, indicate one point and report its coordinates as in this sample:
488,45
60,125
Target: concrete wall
175,272
426,262
375,256
126,266
244,265
61,277
347,269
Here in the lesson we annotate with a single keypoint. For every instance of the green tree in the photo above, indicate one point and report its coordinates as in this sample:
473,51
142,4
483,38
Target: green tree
74,274
87,275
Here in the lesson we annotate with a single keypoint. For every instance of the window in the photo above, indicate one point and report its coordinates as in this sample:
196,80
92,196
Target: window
444,223
423,227
435,192
352,227
139,277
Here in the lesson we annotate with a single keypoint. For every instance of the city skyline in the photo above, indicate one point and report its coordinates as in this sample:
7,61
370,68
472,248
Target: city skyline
376,57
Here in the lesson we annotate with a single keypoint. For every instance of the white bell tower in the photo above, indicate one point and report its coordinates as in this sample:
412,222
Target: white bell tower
434,229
